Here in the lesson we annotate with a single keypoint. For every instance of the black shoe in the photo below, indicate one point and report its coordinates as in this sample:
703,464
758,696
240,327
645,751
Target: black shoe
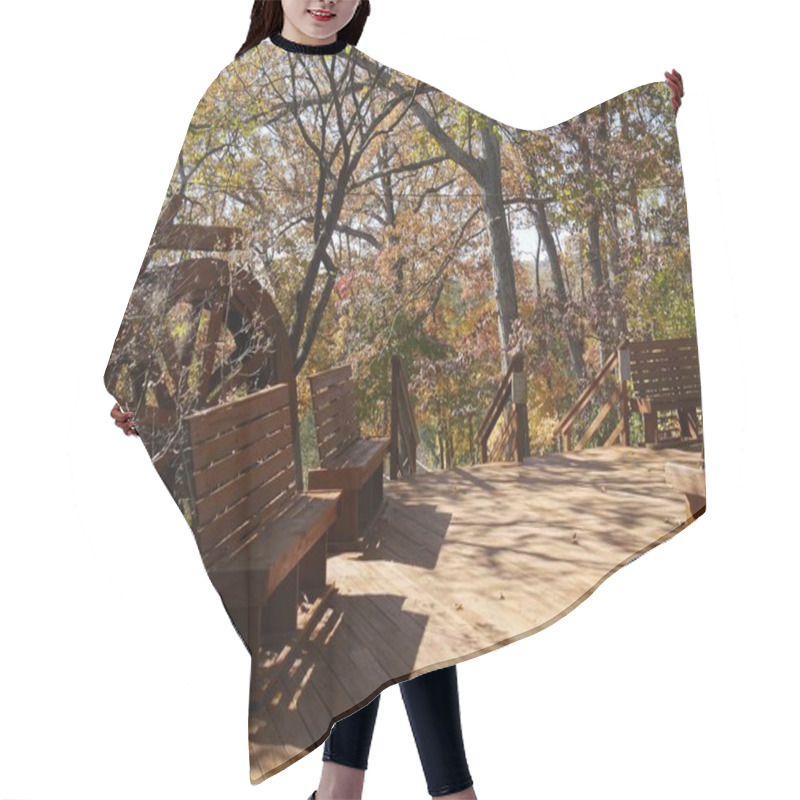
313,795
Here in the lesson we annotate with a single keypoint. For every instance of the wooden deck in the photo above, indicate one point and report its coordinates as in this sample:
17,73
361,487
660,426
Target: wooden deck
459,563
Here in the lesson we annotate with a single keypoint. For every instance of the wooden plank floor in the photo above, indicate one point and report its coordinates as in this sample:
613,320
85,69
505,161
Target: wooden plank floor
458,563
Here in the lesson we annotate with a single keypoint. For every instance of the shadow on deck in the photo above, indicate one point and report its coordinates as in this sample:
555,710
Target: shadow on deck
459,563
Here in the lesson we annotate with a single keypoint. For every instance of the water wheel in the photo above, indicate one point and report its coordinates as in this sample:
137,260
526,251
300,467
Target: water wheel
196,334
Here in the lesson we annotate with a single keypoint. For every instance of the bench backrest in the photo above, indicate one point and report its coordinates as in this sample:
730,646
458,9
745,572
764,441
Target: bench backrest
333,395
665,369
242,469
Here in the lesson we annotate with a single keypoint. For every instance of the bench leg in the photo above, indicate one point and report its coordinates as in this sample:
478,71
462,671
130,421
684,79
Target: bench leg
687,417
345,529
650,421
377,487
280,613
365,504
313,569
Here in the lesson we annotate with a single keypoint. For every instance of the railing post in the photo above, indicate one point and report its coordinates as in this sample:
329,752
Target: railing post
512,391
520,407
394,444
624,365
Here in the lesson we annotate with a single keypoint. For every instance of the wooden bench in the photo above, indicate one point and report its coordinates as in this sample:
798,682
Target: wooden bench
261,541
347,460
692,482
666,376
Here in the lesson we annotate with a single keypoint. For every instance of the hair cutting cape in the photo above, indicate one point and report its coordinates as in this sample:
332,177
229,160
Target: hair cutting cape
506,401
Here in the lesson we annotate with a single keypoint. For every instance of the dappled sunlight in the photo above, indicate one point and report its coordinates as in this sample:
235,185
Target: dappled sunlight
458,563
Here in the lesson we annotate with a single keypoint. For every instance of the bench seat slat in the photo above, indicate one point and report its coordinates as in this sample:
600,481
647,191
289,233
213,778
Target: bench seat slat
273,552
647,405
352,467
362,454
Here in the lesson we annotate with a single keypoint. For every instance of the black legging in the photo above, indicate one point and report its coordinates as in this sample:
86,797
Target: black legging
432,706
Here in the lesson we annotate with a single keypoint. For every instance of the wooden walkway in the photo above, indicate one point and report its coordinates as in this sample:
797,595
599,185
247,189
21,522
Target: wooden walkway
459,563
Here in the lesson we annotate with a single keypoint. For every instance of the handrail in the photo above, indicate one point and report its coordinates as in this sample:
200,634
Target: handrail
404,436
619,396
514,433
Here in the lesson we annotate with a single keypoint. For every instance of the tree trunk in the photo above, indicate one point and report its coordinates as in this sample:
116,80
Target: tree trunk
505,290
546,235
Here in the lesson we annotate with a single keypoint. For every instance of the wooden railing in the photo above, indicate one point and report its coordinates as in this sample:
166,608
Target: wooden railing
665,377
509,407
618,398
404,436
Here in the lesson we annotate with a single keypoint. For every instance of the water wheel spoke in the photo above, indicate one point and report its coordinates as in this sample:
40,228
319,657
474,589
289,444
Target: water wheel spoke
190,340
209,352
169,360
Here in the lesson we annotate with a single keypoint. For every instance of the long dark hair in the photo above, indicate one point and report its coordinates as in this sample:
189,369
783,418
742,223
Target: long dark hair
266,18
